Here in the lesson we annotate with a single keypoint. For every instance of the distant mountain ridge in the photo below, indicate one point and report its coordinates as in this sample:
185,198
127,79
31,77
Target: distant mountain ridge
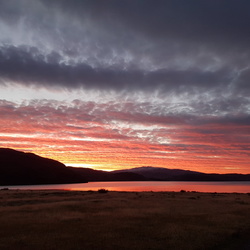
165,174
20,168
99,175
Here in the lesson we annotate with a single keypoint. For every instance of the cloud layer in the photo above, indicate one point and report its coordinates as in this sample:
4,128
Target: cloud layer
115,45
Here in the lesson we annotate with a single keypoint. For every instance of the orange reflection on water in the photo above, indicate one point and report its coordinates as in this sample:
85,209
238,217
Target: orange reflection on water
220,187
155,186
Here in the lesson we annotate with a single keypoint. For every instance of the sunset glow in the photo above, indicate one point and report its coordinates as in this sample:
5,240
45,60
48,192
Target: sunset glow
91,92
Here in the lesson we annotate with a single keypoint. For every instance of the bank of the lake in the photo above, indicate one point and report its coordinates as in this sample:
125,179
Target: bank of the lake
56,219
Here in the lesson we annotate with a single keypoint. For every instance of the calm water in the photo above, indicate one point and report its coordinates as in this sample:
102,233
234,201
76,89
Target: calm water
220,187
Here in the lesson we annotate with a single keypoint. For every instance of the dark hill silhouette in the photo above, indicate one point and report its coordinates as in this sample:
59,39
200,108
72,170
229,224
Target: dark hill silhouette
19,168
165,174
98,175
159,173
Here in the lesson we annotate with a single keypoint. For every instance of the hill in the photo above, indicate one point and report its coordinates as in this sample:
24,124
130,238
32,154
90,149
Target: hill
19,168
98,175
165,174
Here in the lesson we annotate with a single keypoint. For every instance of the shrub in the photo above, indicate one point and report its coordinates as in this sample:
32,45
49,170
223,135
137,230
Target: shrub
102,191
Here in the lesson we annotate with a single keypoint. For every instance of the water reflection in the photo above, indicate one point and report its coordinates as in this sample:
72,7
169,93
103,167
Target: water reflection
155,186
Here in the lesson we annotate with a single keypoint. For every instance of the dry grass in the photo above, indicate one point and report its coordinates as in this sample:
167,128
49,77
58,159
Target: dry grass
120,220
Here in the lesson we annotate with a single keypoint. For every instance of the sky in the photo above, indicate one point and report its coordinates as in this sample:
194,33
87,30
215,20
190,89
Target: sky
111,84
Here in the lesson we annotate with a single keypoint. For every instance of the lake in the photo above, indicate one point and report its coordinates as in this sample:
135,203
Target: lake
155,186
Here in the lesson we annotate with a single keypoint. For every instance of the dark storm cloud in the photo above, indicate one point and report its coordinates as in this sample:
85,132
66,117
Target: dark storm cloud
28,66
166,17
182,46
220,23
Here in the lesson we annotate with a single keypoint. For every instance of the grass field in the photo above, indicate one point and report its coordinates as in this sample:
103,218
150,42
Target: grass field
123,220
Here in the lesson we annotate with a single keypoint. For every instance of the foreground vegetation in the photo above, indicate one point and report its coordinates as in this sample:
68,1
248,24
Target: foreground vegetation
123,220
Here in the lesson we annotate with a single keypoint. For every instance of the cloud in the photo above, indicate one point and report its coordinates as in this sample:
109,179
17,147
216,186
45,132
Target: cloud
27,66
115,120
116,46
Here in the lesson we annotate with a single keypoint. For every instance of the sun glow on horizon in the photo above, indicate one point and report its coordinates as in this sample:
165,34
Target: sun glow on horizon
92,166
